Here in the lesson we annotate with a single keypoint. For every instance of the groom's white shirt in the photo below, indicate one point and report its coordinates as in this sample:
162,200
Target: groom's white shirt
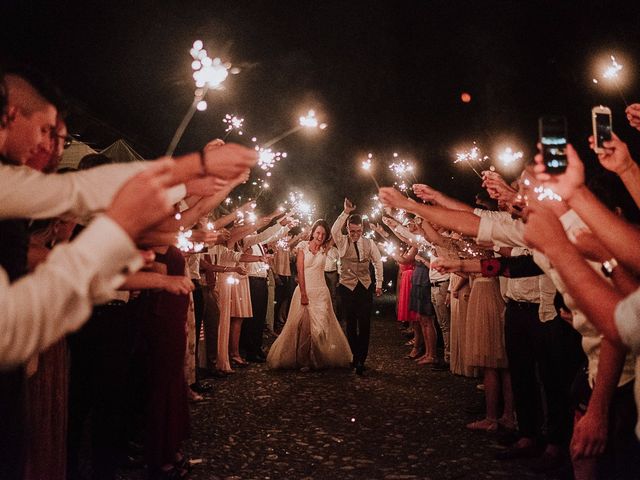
369,252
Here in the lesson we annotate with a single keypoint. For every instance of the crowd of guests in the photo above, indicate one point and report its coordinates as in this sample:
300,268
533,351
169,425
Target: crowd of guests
108,329
535,290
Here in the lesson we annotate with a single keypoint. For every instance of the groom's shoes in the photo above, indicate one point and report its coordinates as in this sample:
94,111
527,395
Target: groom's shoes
359,369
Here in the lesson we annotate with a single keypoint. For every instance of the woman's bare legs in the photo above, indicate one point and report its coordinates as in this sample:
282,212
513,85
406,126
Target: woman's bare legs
234,338
418,344
430,339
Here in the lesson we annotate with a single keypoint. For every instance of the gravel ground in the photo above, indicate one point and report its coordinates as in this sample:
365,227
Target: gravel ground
398,421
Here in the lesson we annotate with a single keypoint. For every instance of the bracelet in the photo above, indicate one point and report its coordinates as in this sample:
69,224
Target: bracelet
203,164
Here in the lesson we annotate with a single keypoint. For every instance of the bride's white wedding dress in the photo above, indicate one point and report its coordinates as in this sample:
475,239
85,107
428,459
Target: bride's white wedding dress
311,337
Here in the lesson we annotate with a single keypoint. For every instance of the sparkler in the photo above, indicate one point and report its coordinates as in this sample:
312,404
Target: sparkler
545,193
508,156
367,166
389,248
308,121
300,208
401,169
185,244
611,73
208,74
233,122
471,155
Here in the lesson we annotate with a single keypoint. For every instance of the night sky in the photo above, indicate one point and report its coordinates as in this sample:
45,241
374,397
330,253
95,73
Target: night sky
386,76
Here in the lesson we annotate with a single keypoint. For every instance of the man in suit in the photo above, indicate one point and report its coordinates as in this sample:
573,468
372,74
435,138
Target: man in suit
356,288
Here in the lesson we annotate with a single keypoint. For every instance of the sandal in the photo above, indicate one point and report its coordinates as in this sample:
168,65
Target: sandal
485,425
424,360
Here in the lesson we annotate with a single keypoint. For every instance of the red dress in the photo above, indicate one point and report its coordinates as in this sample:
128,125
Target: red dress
404,293
168,409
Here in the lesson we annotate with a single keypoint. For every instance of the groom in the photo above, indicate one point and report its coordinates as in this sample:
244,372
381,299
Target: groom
355,287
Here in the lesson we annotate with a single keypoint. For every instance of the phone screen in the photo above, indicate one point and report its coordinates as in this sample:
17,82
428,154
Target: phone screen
603,129
553,137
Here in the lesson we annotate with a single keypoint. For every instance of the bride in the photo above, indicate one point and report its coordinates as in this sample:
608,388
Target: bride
311,337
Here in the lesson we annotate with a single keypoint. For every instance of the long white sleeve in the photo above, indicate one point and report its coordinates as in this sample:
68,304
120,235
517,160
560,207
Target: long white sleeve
503,232
338,237
376,259
57,297
271,234
26,193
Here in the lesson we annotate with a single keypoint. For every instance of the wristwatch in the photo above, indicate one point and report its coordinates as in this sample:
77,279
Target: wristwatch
608,267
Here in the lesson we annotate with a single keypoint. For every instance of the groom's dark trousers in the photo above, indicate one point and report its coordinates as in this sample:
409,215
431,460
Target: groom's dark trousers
356,308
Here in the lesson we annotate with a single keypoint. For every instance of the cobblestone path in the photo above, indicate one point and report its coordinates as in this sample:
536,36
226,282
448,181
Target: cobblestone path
398,421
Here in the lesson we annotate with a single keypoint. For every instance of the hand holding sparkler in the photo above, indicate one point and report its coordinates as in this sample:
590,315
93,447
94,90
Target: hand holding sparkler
633,115
497,187
426,193
390,197
228,161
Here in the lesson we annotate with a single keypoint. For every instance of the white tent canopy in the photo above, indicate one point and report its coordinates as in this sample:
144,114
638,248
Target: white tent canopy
119,151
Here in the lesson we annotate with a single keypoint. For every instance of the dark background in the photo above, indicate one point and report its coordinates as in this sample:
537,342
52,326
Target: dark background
386,76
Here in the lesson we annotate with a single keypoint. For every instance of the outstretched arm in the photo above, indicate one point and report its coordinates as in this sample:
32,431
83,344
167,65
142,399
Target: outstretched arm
464,222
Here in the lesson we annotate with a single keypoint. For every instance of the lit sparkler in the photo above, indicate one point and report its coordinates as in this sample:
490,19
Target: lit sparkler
472,155
367,166
233,122
508,156
208,74
185,244
611,72
300,208
308,121
389,248
545,193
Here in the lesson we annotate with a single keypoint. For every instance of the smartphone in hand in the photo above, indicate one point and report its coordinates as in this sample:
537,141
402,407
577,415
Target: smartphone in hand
601,121
553,138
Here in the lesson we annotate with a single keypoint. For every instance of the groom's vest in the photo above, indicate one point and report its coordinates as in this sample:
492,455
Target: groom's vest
353,271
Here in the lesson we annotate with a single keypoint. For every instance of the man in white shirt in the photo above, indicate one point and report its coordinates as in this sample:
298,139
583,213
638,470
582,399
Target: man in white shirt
332,276
37,309
356,253
253,328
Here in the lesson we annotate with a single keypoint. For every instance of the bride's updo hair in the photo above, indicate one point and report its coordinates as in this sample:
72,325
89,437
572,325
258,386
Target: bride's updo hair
321,223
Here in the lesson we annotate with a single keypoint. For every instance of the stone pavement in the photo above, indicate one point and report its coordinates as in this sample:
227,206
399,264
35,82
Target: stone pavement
398,421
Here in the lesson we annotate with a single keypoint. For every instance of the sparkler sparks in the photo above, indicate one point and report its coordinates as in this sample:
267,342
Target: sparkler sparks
301,208
267,158
308,121
508,156
611,72
472,155
367,166
208,74
545,193
185,244
233,122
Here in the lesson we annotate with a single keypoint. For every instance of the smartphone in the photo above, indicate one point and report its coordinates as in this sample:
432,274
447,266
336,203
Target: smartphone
601,120
553,137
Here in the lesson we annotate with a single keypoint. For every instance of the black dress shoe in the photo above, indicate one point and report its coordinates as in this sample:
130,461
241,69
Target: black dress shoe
359,369
256,359
513,453
201,387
